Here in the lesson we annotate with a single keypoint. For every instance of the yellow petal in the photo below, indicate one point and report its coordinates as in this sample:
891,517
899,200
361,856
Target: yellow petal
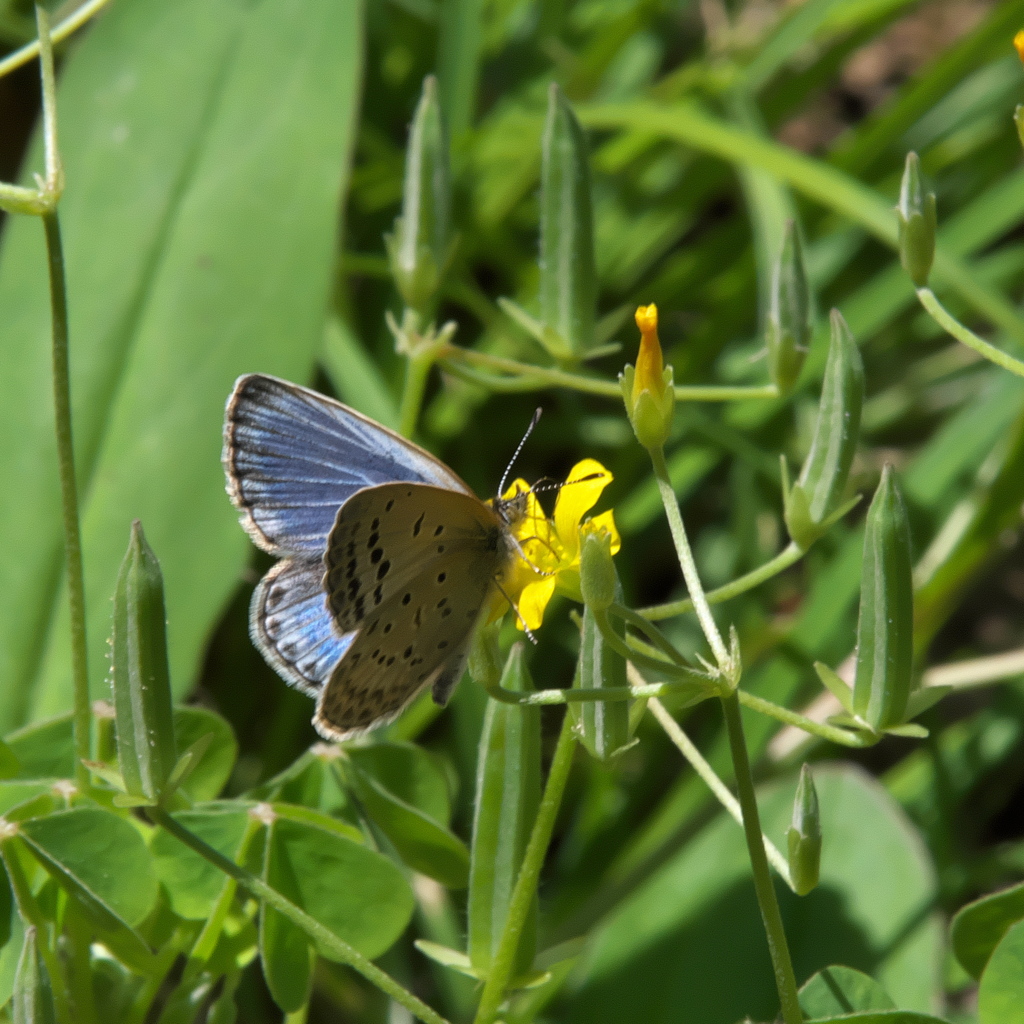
533,600
576,499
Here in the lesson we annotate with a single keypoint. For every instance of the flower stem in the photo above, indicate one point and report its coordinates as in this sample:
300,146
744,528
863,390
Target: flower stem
686,747
782,561
503,963
69,495
69,25
845,737
417,372
524,376
687,564
785,980
320,934
951,325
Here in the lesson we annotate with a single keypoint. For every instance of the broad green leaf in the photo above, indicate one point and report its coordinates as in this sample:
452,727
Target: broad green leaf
192,883
99,857
45,750
410,773
205,143
838,990
980,926
1001,992
688,944
207,779
423,844
356,892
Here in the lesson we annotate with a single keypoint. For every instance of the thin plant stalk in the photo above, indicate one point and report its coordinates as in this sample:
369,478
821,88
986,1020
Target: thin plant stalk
417,372
322,935
67,27
952,326
687,564
790,555
503,963
976,671
721,791
833,733
785,979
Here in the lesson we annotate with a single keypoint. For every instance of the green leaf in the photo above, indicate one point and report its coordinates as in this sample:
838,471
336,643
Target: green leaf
882,1017
141,683
10,955
835,685
193,884
205,143
980,926
356,892
568,280
45,750
421,842
408,772
100,858
1001,992
688,943
447,957
837,990
213,769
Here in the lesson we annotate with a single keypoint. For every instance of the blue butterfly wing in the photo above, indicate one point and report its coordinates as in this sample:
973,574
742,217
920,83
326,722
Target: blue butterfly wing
291,625
293,457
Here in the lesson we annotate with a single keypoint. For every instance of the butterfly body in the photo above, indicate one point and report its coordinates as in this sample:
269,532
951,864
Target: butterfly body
387,557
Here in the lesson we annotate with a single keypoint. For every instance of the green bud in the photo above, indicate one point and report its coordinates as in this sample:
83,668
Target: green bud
141,680
32,1001
789,316
598,579
805,836
568,280
508,785
484,660
420,248
886,625
917,222
819,490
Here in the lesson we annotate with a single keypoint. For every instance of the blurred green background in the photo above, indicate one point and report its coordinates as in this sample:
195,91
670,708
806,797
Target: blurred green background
232,166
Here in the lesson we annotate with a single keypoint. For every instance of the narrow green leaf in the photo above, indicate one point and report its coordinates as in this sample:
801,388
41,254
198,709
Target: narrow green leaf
885,627
508,785
460,41
980,926
835,685
1001,991
422,842
141,682
100,858
568,280
838,990
205,143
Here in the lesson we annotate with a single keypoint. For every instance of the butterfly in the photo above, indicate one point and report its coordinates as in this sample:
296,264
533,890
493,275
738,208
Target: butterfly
387,558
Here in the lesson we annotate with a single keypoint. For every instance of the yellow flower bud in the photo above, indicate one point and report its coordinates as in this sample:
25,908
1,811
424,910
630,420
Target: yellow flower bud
1018,44
647,388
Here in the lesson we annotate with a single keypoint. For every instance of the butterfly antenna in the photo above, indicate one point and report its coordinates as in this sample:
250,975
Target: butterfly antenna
556,485
512,605
519,448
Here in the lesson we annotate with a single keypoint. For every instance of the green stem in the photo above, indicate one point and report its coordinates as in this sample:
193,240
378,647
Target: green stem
687,564
69,25
785,980
686,747
845,737
321,935
543,376
649,630
503,964
782,561
417,372
584,695
951,325
69,496
32,915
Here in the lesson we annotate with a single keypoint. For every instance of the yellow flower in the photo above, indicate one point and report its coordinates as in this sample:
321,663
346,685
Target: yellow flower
1018,44
552,546
647,388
